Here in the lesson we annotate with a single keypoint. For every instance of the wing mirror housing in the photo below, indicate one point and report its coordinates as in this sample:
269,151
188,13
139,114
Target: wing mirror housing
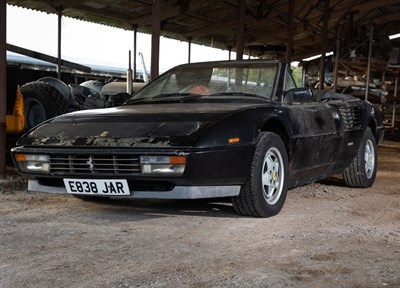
298,95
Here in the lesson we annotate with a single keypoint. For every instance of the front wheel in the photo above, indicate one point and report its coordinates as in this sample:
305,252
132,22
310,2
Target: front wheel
264,192
361,172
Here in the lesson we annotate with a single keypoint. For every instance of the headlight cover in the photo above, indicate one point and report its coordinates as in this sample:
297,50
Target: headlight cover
32,163
163,165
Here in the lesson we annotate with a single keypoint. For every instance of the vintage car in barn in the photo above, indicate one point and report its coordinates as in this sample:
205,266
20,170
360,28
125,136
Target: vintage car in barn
238,129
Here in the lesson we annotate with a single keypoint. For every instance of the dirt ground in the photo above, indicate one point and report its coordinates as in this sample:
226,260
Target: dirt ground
327,235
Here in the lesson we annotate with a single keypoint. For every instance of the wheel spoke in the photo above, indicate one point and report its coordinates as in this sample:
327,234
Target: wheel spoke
266,179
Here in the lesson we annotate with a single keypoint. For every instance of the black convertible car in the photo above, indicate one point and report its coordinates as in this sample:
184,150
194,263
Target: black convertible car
238,129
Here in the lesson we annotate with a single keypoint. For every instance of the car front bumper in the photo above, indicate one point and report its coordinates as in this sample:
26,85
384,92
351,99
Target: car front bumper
208,173
178,192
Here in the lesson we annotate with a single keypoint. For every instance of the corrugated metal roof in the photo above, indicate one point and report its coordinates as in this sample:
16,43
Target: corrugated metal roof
215,22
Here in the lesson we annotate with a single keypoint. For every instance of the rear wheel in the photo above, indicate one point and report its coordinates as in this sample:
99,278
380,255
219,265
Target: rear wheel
361,172
42,101
264,192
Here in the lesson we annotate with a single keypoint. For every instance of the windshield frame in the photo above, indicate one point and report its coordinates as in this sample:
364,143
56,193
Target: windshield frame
158,88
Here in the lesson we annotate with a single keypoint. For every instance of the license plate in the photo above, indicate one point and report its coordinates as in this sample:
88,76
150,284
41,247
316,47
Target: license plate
110,187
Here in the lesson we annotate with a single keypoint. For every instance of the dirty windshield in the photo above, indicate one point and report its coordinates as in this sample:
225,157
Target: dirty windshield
212,80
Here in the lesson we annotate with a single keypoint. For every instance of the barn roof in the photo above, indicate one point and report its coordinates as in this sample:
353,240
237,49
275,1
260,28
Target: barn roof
214,23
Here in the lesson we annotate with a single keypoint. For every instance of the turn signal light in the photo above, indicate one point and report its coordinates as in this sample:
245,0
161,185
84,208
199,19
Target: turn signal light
163,165
32,163
234,140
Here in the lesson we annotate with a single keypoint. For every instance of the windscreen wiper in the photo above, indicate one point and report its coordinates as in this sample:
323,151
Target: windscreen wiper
240,94
158,97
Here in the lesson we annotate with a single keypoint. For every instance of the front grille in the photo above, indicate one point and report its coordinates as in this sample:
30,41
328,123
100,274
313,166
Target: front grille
351,117
94,164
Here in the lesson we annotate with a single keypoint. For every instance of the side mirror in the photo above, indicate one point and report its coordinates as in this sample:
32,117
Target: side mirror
298,95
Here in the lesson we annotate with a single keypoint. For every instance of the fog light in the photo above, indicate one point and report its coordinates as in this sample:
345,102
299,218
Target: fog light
163,165
32,163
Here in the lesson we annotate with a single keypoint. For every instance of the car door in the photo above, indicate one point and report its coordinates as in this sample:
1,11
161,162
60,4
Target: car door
316,131
316,138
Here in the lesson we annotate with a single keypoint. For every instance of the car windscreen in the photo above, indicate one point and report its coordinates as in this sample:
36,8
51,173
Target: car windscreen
223,80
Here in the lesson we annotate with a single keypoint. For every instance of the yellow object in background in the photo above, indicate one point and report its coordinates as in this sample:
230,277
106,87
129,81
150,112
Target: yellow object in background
15,123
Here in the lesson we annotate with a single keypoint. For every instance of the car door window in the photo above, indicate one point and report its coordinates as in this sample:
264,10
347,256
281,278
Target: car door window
289,81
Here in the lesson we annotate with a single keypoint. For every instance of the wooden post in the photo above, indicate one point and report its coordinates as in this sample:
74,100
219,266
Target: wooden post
371,42
155,39
134,52
394,102
289,45
324,46
3,88
337,57
189,48
240,29
59,10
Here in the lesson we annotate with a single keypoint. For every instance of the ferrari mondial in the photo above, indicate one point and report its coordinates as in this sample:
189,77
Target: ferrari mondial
238,129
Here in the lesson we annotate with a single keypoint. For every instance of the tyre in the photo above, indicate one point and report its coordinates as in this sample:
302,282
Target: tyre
264,192
42,101
361,172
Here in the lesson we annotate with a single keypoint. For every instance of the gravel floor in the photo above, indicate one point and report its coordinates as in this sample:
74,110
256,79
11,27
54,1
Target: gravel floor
327,235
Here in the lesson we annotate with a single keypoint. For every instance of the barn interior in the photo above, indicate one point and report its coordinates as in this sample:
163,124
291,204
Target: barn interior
353,37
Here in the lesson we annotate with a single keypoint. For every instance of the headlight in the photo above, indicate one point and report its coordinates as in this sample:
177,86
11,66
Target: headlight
163,165
32,163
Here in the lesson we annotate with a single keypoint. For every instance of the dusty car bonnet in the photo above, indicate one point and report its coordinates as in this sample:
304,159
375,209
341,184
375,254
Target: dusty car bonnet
129,126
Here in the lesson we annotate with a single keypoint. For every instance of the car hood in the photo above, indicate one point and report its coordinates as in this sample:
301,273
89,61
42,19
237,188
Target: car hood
150,125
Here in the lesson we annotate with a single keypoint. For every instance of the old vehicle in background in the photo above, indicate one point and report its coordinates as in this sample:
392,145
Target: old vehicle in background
49,97
238,129
46,96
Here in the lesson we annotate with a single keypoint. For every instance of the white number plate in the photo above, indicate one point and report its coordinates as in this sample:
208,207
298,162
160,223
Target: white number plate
109,187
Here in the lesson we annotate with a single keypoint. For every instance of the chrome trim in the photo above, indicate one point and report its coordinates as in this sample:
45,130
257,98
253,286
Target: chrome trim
179,192
99,164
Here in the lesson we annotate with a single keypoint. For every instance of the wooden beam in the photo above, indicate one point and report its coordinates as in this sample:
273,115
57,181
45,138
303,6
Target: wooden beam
128,23
387,18
47,58
372,5
167,13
